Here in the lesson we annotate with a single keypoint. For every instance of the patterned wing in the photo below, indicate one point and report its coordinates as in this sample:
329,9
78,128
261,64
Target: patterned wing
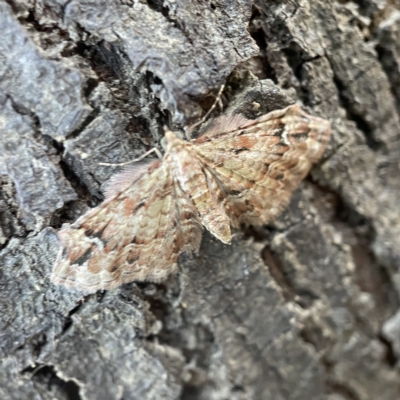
257,164
135,234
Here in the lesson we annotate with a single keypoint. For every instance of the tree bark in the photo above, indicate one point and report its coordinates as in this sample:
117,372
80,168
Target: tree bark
307,307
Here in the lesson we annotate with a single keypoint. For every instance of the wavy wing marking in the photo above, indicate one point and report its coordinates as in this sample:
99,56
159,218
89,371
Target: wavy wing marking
136,234
257,164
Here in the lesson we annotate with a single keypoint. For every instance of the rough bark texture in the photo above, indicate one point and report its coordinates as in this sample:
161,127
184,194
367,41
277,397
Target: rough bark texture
305,308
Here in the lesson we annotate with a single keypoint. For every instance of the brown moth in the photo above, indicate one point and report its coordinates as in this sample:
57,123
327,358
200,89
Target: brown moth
238,171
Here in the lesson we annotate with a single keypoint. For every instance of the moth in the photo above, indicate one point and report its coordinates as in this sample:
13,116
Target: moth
239,171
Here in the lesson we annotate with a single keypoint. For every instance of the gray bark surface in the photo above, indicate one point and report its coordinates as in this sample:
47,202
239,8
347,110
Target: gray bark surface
305,308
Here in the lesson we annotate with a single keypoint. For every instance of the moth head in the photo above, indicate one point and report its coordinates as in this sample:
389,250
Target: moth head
171,139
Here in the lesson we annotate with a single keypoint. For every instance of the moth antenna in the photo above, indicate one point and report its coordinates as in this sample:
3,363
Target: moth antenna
217,101
153,150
